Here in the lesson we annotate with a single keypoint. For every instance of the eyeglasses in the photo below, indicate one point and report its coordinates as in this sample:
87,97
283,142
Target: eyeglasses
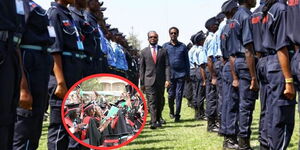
175,33
153,37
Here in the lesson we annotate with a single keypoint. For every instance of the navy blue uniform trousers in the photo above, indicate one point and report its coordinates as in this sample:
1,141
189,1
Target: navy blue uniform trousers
211,97
263,83
28,126
280,111
176,92
230,105
10,77
247,98
58,138
219,69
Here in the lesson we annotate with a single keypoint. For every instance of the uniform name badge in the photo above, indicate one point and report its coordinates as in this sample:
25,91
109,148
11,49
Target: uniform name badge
80,45
20,7
51,31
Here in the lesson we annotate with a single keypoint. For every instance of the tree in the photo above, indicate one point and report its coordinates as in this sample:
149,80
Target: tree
133,40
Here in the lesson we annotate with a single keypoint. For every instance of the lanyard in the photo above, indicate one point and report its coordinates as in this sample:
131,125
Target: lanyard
79,42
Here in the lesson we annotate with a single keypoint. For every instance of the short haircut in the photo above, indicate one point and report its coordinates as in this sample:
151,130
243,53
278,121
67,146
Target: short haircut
174,28
151,32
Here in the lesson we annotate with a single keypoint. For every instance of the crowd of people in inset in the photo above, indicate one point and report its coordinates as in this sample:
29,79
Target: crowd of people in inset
243,56
101,121
43,53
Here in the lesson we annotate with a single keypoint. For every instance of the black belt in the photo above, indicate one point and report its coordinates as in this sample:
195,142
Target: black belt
240,55
272,52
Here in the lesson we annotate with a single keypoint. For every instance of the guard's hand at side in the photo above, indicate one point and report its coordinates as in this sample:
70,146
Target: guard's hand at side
167,84
25,99
289,91
235,83
61,90
254,85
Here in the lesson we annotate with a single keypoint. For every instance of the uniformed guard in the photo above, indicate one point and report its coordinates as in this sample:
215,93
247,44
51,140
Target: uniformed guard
293,34
244,74
195,75
101,48
211,90
86,35
188,87
111,59
36,39
261,54
281,92
230,106
69,62
11,27
218,63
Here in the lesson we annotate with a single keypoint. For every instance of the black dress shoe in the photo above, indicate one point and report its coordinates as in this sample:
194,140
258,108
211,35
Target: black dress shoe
230,142
177,119
158,125
162,121
153,126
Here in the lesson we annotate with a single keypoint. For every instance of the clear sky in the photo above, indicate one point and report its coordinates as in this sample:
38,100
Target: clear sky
159,15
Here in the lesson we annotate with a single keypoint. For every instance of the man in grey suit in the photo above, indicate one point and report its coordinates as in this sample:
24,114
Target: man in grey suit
154,77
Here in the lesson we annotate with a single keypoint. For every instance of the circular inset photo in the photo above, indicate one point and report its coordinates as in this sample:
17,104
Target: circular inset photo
104,111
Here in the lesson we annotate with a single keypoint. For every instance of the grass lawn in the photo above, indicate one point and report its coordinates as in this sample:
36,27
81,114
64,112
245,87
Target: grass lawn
187,134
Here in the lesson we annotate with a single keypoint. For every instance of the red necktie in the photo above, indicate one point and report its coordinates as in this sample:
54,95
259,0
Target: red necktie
154,54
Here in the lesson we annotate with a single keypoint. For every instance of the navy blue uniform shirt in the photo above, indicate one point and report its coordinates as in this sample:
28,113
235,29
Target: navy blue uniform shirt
36,31
179,60
225,46
240,33
256,27
85,30
63,23
92,20
274,28
293,21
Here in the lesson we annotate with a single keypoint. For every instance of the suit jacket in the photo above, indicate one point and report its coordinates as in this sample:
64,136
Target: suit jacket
151,72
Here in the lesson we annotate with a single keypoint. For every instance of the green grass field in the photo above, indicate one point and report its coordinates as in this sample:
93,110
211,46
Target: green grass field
187,134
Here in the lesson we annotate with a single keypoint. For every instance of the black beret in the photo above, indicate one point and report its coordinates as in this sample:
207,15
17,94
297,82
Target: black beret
229,5
199,36
210,22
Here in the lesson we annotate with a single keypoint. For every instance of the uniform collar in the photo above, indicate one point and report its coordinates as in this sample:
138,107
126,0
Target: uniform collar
91,15
76,11
63,8
245,9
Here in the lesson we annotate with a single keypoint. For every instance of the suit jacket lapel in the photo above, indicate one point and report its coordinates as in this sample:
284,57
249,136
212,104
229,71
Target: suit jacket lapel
158,53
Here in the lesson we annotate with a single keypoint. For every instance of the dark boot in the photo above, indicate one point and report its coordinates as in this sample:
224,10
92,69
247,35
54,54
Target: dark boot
211,127
230,142
244,144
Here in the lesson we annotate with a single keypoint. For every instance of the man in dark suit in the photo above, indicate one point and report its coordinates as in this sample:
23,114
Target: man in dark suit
154,77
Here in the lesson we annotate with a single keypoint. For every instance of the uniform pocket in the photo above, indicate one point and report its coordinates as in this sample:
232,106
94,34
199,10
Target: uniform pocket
68,28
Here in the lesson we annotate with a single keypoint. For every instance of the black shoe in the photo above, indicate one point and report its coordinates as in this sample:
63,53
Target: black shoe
153,126
162,121
172,116
177,120
244,144
214,129
230,142
158,124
